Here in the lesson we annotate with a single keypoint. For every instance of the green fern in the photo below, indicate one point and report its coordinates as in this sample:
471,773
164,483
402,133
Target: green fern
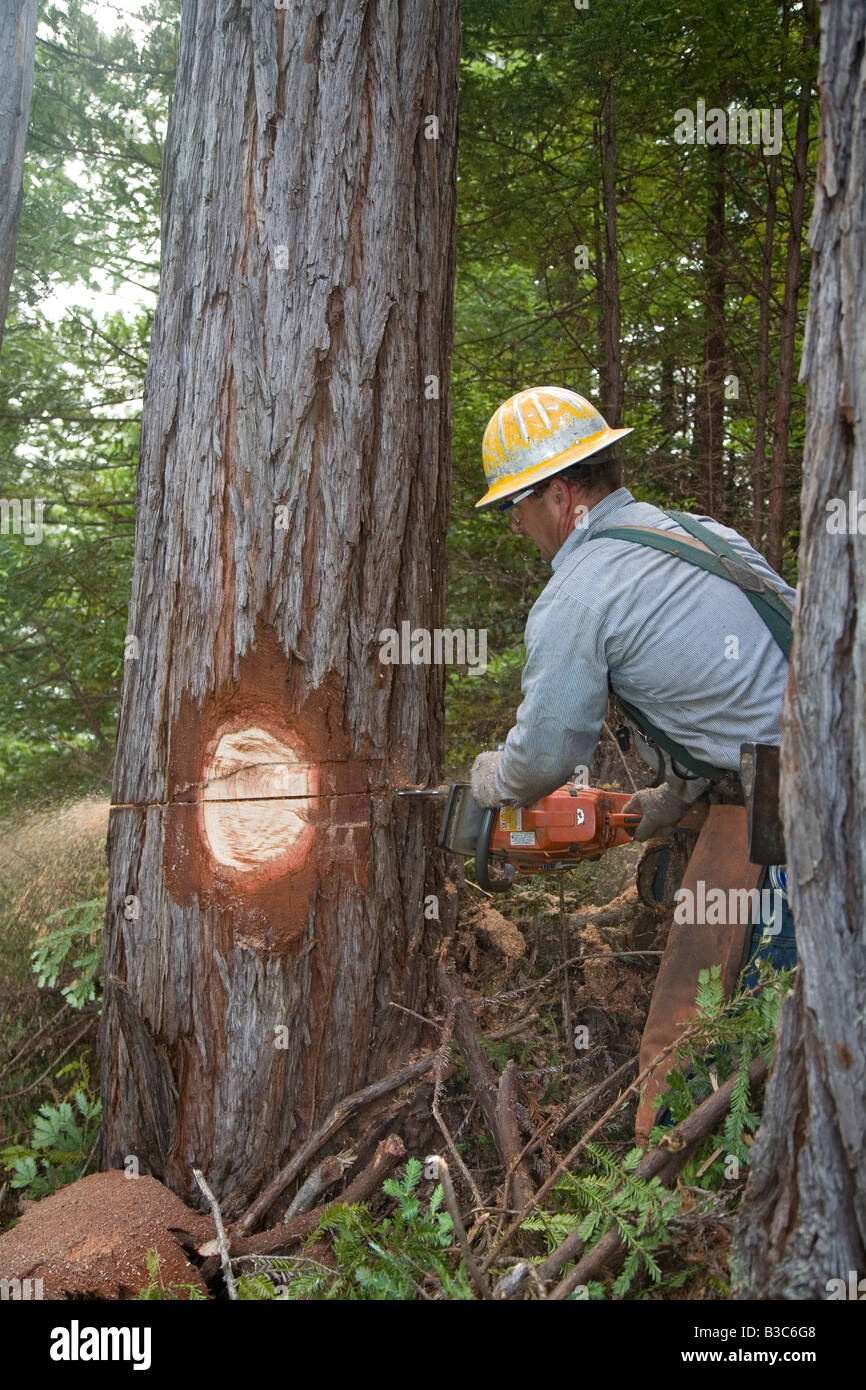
62,1142
156,1291
613,1196
77,939
407,1255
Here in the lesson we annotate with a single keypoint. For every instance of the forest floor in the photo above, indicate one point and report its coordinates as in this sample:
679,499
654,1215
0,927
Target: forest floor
558,974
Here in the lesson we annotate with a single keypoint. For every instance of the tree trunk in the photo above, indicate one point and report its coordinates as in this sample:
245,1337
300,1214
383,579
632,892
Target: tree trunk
776,518
611,402
710,414
17,47
270,896
804,1215
762,394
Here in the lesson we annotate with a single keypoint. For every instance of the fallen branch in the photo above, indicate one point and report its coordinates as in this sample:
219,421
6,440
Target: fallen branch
484,1080
329,1171
663,1162
516,1171
436,1169
389,1153
439,1082
343,1111
565,965
225,1258
564,1164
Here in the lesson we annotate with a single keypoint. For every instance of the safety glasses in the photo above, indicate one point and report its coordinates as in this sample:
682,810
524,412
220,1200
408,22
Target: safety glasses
522,496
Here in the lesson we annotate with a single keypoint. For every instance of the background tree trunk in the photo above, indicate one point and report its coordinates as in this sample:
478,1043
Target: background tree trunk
762,394
710,411
612,384
17,48
776,511
804,1216
292,502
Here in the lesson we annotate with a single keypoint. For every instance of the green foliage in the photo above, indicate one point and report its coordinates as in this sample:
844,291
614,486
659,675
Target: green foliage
71,385
612,1196
404,1256
730,1035
77,940
63,1142
157,1291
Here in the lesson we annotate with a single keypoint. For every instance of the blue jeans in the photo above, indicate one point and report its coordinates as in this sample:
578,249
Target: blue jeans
781,947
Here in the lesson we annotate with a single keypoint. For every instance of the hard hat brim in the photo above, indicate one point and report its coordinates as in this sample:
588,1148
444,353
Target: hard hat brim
501,491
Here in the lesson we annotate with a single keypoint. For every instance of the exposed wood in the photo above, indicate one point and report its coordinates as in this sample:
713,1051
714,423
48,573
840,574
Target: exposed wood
804,1213
292,502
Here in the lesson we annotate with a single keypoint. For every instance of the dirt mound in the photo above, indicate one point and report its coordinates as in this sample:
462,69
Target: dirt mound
90,1239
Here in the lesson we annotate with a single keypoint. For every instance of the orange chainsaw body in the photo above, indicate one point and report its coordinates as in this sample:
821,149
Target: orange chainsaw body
571,824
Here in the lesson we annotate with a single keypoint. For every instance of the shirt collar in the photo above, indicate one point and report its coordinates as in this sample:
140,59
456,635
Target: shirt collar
595,517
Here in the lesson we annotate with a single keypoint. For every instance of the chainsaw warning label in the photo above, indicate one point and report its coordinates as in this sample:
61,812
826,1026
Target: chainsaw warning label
522,837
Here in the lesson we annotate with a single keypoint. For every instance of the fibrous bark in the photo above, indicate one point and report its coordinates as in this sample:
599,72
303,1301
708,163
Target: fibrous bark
268,890
804,1217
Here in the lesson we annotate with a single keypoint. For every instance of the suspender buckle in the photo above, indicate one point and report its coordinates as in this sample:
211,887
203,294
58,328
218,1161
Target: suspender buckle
742,574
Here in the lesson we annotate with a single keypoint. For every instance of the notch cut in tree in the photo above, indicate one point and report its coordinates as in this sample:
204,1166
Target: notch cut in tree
267,887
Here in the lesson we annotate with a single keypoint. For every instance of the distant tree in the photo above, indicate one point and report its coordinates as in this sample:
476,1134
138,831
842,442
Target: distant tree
17,47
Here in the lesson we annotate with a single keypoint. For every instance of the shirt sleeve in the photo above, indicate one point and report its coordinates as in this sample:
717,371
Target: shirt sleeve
565,697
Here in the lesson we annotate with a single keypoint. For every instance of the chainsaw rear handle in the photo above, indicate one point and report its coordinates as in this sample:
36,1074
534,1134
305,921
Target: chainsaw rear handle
622,820
482,855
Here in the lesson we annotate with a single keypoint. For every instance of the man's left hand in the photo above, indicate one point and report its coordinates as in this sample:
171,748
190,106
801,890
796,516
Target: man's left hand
482,779
660,809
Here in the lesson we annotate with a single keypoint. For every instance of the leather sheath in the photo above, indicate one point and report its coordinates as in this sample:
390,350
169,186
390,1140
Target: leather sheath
721,860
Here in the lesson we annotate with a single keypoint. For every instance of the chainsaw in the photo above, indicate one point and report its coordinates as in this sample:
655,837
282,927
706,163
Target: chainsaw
569,826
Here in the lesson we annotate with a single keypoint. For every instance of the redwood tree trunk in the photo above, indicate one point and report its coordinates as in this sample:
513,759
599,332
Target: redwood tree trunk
804,1217
17,47
267,890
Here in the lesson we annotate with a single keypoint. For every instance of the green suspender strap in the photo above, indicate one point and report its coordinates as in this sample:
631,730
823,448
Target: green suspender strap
709,552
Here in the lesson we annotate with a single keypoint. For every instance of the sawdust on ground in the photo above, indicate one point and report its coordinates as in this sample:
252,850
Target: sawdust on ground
91,1238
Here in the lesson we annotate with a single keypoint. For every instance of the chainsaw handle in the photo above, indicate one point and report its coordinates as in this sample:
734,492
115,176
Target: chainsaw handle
629,821
482,854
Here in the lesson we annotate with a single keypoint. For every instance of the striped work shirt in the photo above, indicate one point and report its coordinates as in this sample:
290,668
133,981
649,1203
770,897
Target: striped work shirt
684,646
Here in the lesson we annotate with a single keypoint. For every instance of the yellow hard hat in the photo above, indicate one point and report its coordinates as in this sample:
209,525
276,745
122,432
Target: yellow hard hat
538,433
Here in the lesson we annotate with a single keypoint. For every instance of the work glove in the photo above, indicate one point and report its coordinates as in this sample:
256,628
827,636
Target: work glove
660,809
482,778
